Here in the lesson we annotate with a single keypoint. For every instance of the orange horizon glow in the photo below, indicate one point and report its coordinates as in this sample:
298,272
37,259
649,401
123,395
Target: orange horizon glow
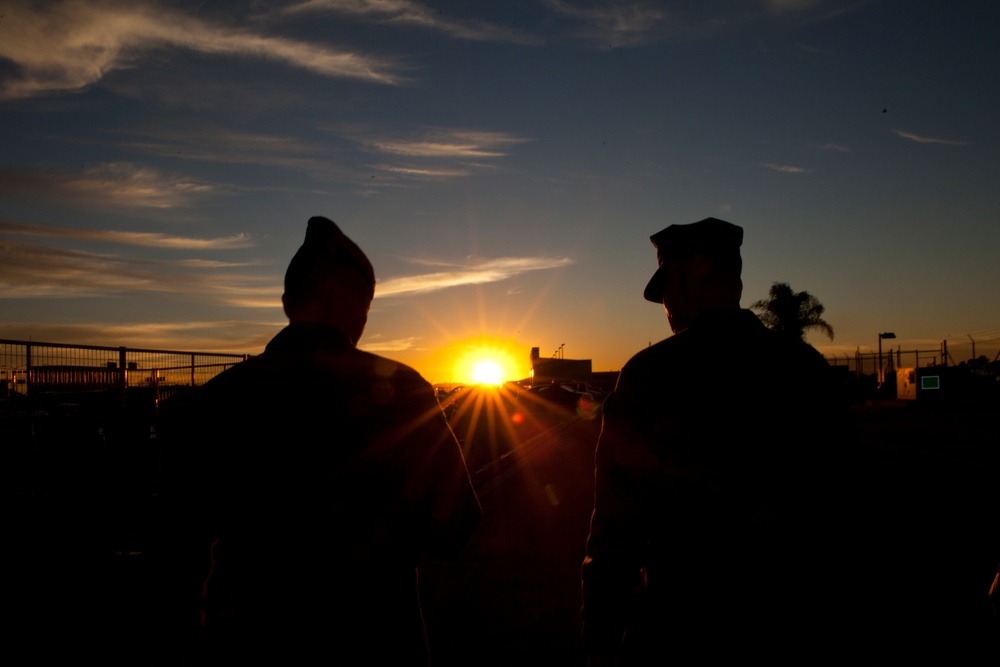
488,362
476,361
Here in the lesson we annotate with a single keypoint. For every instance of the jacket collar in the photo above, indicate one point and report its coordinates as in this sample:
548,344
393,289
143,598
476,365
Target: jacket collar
296,337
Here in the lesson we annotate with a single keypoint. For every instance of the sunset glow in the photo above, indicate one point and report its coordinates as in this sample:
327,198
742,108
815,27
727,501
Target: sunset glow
488,372
489,362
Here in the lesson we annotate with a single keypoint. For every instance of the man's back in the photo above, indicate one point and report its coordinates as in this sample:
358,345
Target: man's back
717,472
326,472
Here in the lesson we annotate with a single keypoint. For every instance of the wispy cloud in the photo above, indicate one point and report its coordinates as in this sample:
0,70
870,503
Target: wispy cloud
232,336
377,344
114,184
786,168
149,239
465,151
319,161
429,172
409,13
38,271
446,143
929,140
631,23
247,292
221,145
71,45
839,148
473,273
28,270
209,264
617,24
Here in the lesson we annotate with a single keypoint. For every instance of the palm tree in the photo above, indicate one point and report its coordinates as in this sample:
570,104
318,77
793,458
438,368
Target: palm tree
791,313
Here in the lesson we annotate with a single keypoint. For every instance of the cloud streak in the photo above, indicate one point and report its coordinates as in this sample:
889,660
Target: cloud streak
377,345
928,140
228,147
321,161
223,336
428,172
37,271
414,14
449,143
475,273
616,24
113,184
71,45
785,168
633,23
467,151
147,239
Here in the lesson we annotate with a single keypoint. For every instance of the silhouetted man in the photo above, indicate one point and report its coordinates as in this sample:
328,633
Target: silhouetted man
326,472
720,516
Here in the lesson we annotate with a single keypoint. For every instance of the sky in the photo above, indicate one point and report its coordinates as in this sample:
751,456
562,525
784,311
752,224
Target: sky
503,165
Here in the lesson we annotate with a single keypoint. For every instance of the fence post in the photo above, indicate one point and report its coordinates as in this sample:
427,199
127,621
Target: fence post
192,370
122,380
27,370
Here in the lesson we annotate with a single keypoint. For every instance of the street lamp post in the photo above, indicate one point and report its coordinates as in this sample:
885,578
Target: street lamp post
881,373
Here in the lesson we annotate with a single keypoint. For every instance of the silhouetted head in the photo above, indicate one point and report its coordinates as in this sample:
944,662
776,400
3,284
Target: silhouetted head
699,269
329,281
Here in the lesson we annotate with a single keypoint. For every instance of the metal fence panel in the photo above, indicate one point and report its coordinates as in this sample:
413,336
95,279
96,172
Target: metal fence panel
27,367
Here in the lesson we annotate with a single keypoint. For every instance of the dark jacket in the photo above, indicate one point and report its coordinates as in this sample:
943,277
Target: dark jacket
324,473
721,504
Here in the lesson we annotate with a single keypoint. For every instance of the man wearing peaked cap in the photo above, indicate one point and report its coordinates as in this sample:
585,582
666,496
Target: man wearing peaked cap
324,473
711,236
713,514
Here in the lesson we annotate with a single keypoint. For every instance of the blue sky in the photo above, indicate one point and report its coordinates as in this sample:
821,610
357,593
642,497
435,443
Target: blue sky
502,164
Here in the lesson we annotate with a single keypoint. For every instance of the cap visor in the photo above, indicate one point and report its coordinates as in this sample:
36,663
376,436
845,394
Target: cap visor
654,288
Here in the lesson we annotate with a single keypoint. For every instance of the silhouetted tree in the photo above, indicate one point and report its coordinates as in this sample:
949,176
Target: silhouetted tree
791,313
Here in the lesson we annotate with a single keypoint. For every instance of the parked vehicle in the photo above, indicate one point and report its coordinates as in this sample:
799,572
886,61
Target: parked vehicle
564,395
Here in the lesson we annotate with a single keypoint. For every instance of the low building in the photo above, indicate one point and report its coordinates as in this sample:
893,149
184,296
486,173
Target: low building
558,368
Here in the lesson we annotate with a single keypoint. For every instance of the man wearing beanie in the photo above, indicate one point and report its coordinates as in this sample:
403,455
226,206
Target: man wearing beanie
720,525
326,473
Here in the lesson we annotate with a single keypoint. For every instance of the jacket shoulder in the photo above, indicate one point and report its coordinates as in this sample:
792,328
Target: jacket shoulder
654,358
394,371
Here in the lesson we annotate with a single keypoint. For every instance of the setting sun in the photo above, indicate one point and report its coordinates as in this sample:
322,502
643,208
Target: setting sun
488,362
487,371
